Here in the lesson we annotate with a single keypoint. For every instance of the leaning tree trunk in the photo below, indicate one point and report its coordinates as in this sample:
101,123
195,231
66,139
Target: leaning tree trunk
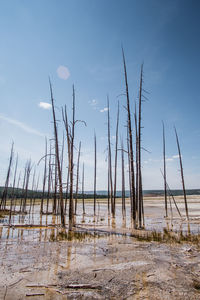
182,176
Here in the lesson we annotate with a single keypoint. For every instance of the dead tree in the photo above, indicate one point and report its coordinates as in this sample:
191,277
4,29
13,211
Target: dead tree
13,190
17,190
67,189
108,187
55,187
14,179
57,159
95,172
137,167
123,181
62,154
132,174
140,192
28,172
83,196
70,130
170,193
23,187
44,178
49,179
164,174
182,175
32,190
77,177
71,164
68,134
116,145
5,191
110,162
129,170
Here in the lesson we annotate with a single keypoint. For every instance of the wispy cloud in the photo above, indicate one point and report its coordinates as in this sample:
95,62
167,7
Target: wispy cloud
104,109
168,159
44,105
172,158
63,72
21,125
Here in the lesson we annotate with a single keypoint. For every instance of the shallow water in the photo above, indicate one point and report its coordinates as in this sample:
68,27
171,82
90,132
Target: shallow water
46,226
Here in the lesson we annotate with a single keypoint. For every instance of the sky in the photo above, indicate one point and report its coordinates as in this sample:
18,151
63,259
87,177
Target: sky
79,42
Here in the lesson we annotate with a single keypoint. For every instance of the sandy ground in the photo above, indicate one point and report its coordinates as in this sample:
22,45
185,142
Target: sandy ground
36,264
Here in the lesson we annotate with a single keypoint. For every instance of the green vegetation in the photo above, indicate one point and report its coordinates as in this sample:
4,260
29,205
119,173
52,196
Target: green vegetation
19,193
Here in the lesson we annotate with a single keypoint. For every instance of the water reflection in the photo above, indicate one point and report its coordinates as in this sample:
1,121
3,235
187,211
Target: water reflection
113,223
38,223
68,260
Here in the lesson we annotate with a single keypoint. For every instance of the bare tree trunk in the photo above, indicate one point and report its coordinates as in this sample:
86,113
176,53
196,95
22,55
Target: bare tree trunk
132,175
123,181
182,176
170,192
13,189
32,190
110,163
55,188
77,177
67,190
28,172
116,145
49,180
108,186
5,191
129,173
83,196
23,188
164,175
137,168
44,178
17,191
62,154
71,165
58,160
140,194
95,172
70,142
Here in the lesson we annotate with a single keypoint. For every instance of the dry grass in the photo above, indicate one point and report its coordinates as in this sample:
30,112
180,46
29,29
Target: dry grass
167,237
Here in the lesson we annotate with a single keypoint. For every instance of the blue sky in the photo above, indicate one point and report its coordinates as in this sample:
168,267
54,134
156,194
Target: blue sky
84,37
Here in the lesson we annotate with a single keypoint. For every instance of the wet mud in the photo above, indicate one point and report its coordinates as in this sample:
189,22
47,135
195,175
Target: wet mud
101,260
